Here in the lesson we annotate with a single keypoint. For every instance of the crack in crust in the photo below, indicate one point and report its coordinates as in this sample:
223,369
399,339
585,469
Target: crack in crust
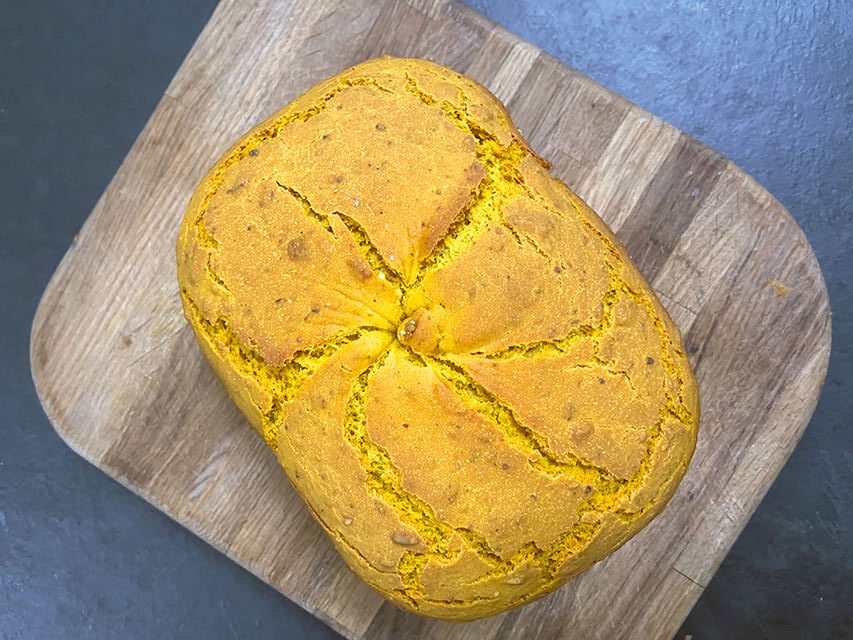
282,381
560,346
339,538
502,183
605,499
518,436
601,363
274,129
523,238
211,273
618,286
679,409
204,238
307,209
384,480
608,490
365,246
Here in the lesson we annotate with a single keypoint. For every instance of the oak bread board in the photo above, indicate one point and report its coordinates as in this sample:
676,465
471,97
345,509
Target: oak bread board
121,378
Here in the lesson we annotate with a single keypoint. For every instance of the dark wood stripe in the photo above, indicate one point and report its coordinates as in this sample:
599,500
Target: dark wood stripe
141,452
390,623
669,203
448,41
534,98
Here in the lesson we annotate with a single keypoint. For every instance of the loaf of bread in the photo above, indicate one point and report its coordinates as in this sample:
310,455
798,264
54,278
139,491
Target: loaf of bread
463,374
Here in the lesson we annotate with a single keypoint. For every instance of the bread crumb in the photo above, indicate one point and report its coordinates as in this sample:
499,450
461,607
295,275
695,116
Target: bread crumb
404,538
781,290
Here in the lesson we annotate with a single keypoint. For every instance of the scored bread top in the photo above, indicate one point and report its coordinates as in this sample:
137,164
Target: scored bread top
462,372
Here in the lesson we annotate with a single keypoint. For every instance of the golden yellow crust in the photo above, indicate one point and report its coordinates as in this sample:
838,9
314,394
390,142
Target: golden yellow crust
461,371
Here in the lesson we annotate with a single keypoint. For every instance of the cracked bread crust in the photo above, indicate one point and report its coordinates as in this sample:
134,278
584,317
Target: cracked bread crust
465,377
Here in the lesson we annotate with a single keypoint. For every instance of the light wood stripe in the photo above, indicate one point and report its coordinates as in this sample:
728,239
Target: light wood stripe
621,176
517,64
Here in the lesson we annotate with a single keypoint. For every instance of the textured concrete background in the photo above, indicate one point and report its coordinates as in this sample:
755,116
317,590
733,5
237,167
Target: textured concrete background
768,85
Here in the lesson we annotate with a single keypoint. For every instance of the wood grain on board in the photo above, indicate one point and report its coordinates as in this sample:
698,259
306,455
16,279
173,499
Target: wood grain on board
123,381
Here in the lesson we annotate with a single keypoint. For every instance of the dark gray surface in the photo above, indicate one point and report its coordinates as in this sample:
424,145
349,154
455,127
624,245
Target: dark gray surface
81,557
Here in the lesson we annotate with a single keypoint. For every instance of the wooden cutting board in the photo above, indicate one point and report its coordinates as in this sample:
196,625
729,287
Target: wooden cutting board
123,381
